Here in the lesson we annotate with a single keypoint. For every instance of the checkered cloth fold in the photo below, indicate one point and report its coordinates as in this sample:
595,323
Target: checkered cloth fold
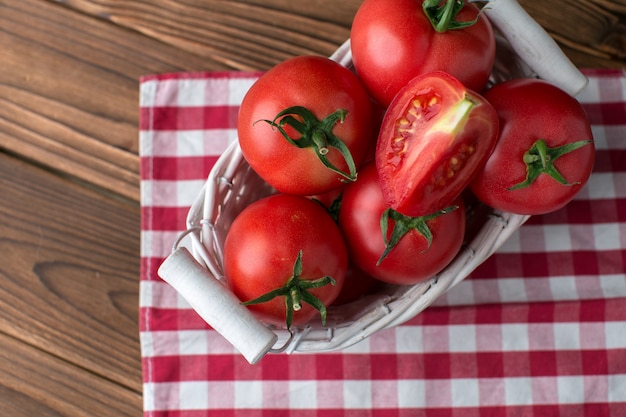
538,330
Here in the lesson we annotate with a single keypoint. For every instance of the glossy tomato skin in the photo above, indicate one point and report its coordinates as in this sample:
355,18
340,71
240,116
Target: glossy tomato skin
262,245
393,42
435,137
411,261
531,109
322,86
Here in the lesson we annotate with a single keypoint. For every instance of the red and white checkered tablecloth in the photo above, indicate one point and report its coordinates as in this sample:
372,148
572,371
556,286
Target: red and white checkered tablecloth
538,330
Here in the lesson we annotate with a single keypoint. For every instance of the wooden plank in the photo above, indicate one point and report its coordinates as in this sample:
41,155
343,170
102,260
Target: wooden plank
619,6
34,383
591,32
69,90
256,34
69,272
244,35
69,86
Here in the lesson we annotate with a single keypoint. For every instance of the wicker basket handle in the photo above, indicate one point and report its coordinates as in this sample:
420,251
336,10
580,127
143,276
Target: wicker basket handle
534,45
217,305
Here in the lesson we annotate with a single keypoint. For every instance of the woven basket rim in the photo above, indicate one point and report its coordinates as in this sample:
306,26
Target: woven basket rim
523,49
353,322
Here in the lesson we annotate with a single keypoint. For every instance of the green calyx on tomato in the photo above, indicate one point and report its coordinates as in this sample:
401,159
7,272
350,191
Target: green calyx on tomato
442,17
539,159
316,134
403,224
296,292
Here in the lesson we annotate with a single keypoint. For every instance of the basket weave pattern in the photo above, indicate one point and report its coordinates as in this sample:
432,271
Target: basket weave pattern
232,185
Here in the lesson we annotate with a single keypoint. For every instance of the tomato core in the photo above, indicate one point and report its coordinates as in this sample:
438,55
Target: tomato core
435,135
423,108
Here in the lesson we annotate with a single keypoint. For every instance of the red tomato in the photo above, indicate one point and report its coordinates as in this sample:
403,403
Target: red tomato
435,137
412,259
261,252
314,102
394,41
544,135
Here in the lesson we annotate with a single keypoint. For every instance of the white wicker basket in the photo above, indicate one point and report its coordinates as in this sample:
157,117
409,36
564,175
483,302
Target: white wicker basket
232,185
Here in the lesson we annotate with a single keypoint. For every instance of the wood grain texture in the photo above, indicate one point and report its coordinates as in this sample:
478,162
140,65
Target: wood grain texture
243,35
70,95
33,384
591,32
69,165
258,34
69,90
68,277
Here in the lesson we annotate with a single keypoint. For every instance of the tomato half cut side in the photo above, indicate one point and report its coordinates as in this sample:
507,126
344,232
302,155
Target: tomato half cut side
435,136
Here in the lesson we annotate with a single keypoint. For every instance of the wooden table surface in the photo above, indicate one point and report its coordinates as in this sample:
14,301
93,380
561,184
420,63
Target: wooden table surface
69,168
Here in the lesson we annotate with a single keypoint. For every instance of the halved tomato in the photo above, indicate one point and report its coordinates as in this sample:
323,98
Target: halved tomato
435,136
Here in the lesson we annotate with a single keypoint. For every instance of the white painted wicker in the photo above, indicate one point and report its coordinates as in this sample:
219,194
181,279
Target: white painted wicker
232,185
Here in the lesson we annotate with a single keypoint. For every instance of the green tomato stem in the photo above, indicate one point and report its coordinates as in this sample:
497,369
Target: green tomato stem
443,17
316,134
539,159
296,291
403,224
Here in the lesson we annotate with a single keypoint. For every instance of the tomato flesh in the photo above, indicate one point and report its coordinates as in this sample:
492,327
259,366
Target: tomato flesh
435,136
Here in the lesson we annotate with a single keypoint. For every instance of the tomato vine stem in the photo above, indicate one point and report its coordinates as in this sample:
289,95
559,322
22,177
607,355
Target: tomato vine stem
316,134
403,224
539,159
443,17
296,291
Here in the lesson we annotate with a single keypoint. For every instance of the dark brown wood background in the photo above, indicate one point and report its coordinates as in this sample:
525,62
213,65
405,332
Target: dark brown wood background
69,169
